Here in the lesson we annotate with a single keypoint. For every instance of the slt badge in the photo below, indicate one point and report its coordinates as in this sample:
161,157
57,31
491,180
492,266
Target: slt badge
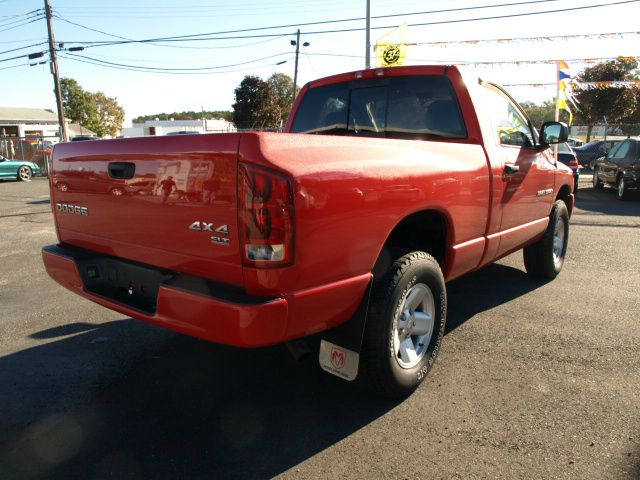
199,226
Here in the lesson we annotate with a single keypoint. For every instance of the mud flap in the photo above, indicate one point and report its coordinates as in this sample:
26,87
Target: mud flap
340,347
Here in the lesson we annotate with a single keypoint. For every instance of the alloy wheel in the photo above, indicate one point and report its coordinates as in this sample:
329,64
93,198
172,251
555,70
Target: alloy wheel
413,326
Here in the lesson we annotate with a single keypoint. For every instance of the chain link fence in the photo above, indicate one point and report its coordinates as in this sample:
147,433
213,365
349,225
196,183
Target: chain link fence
32,149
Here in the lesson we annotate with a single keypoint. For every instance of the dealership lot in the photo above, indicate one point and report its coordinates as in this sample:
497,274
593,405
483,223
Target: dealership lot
535,380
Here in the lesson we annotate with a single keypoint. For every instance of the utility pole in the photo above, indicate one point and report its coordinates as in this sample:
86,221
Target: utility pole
296,42
367,48
54,71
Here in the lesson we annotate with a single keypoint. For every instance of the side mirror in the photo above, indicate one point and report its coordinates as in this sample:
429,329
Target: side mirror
553,132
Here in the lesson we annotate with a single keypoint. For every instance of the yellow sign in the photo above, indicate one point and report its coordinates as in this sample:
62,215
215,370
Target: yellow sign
391,49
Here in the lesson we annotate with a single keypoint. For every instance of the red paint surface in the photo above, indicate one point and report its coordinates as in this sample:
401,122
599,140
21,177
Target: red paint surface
349,194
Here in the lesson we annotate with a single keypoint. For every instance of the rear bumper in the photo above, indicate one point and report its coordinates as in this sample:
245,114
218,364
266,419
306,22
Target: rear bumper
217,313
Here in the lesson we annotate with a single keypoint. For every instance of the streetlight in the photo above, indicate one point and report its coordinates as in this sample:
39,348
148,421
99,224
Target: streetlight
296,43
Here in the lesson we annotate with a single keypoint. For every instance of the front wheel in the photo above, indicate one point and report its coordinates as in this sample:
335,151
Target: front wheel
621,188
597,183
24,173
405,325
545,258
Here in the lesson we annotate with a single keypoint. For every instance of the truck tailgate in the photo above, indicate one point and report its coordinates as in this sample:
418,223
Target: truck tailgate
169,202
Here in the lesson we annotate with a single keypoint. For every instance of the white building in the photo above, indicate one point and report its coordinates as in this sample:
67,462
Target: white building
164,127
28,122
35,122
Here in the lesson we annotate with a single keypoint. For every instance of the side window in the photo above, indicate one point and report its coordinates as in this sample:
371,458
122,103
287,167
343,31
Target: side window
613,150
512,127
621,152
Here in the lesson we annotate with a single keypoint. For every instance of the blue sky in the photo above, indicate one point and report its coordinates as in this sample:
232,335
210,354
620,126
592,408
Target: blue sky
80,22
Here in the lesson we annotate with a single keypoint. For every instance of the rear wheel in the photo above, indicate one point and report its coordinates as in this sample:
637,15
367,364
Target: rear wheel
597,183
545,257
405,325
621,188
24,173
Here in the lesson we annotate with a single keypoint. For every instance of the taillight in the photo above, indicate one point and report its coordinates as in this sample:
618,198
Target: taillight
265,213
574,162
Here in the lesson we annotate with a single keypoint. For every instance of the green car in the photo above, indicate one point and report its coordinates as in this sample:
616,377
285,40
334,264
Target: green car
17,169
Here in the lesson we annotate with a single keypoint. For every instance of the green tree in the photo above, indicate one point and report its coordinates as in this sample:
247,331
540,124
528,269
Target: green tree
78,104
284,89
614,103
110,115
631,124
538,114
256,105
95,111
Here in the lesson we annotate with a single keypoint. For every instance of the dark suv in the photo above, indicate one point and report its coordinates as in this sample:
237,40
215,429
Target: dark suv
589,152
621,167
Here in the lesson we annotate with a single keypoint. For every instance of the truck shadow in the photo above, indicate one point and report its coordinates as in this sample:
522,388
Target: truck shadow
183,408
485,289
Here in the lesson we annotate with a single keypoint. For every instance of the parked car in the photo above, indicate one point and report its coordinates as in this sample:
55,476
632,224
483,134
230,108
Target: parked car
589,152
17,169
567,156
620,168
41,148
81,138
574,142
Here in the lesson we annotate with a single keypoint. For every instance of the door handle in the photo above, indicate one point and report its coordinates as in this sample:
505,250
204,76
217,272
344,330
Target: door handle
122,170
510,169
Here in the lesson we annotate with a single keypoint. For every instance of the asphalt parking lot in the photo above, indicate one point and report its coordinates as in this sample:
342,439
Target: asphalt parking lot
534,380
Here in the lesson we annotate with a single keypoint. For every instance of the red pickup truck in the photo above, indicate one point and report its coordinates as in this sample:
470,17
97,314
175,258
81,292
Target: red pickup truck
387,184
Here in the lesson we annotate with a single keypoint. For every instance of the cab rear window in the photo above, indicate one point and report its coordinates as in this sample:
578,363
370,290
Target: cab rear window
416,107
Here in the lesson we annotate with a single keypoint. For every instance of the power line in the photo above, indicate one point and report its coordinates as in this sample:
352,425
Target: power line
217,72
324,22
208,36
167,69
153,43
13,66
23,48
463,20
39,17
22,14
15,58
17,19
6,42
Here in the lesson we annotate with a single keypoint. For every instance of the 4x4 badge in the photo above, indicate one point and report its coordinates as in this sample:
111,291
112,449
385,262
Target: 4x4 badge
199,226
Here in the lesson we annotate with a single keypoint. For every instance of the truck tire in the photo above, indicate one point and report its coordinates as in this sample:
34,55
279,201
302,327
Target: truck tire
405,325
545,258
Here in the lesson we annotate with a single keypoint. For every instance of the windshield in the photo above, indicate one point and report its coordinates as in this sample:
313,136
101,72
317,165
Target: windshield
564,148
417,107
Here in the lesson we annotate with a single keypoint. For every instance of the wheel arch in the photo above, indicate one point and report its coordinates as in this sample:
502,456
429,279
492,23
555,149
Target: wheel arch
566,196
424,230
